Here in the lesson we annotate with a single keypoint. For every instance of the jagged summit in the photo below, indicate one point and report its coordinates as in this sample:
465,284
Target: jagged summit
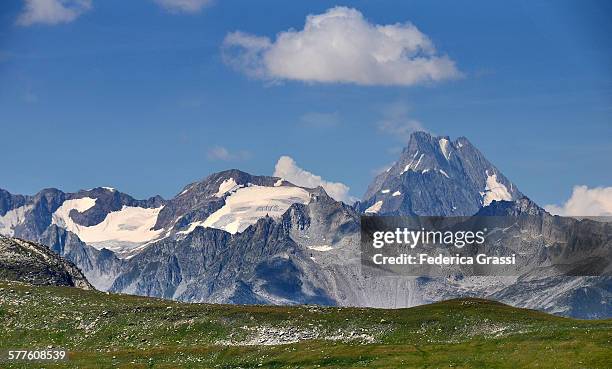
437,176
208,185
230,200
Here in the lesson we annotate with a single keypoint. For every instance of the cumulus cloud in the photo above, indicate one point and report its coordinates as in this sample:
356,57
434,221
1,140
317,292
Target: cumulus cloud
340,45
52,11
585,202
287,169
397,122
183,6
220,153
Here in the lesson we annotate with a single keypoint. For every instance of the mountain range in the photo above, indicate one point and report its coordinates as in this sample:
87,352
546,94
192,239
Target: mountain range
238,238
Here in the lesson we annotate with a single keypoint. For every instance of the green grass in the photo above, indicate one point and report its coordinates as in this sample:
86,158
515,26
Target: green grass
122,331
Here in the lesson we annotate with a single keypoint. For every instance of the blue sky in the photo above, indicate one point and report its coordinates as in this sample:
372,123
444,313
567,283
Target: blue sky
138,95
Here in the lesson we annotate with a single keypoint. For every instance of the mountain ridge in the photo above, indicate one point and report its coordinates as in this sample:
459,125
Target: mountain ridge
233,237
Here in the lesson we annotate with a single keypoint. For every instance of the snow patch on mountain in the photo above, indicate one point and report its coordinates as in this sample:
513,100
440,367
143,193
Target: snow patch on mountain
61,216
418,162
409,166
247,205
444,148
185,191
130,224
226,186
374,208
321,248
494,191
13,218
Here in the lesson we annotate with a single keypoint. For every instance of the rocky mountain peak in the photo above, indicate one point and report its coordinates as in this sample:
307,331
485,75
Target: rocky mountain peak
229,200
437,176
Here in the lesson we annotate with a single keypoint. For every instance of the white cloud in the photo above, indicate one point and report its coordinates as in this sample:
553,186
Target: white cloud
52,11
287,169
183,6
585,202
340,45
397,122
223,154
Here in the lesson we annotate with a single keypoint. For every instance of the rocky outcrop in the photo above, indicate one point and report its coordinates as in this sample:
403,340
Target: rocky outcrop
29,262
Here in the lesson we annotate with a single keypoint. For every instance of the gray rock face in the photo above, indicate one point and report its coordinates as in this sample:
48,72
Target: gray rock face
261,264
541,238
37,216
29,262
100,267
578,297
9,201
437,176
